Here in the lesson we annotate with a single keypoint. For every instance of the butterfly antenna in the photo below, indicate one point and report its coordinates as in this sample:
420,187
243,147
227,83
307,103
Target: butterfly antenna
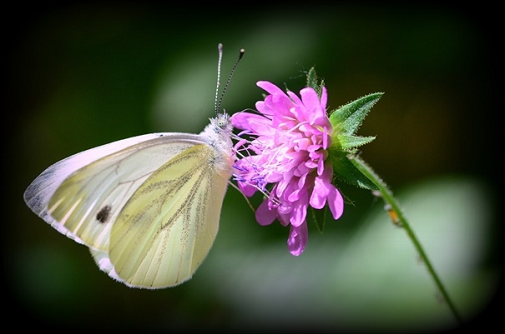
220,52
220,49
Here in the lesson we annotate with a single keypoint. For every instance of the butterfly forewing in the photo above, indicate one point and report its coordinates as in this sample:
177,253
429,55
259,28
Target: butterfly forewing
168,226
86,203
40,191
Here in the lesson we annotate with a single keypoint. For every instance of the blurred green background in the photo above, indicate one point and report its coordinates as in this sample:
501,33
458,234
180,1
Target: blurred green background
86,74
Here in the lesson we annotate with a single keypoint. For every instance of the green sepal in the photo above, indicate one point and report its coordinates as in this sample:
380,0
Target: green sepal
347,119
345,122
345,170
313,81
349,142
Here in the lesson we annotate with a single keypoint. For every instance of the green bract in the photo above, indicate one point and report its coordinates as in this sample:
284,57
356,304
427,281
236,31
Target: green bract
345,122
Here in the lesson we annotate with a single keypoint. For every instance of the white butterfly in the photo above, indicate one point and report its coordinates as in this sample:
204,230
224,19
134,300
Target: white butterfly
147,207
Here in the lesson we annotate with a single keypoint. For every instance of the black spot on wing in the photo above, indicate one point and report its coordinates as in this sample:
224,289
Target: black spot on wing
104,214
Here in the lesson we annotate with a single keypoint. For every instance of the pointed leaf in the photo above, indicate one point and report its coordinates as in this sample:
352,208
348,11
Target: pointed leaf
349,142
348,118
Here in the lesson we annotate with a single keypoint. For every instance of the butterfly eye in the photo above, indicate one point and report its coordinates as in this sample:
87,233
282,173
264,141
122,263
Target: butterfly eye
223,120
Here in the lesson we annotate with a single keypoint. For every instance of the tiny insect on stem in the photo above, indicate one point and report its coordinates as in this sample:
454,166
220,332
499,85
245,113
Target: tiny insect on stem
393,215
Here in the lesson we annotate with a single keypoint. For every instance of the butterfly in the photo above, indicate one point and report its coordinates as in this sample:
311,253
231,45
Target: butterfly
148,207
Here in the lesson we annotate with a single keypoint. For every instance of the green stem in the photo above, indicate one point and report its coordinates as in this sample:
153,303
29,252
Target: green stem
388,197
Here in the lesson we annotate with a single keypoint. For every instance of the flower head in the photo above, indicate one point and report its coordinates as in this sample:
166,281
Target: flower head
286,158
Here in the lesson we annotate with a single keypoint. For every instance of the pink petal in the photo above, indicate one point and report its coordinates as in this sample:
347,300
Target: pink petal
312,103
284,210
317,201
336,203
269,87
265,216
321,168
322,188
297,239
242,120
302,180
283,219
324,99
260,106
325,138
294,196
247,189
280,188
299,213
296,100
260,126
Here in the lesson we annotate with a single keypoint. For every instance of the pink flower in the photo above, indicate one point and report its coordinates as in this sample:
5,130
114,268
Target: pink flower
287,152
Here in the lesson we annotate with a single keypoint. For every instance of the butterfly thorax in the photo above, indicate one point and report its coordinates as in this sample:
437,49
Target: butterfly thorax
218,136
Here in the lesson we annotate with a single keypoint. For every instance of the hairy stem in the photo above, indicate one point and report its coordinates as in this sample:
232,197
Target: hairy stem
398,217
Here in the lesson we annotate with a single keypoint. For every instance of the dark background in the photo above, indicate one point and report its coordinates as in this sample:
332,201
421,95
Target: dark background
86,74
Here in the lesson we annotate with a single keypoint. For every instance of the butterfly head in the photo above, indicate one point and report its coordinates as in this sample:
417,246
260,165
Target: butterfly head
221,123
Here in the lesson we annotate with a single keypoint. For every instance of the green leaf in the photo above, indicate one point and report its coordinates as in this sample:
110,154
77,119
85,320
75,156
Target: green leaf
348,118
